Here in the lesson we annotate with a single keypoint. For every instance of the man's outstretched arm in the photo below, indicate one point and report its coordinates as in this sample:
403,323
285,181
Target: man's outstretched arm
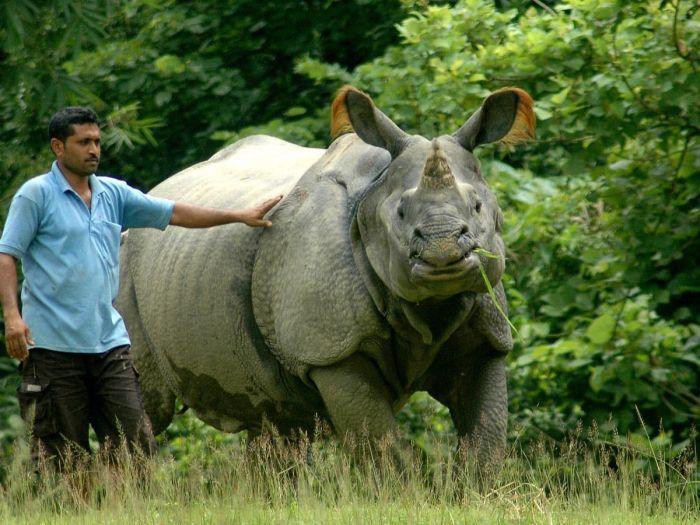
17,334
192,216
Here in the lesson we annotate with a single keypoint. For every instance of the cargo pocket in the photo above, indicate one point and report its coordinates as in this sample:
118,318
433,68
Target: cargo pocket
36,408
123,356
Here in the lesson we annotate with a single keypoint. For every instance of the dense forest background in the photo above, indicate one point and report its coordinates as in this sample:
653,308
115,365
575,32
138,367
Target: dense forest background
602,210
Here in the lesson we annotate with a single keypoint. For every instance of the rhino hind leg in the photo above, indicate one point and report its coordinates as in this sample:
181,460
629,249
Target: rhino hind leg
158,398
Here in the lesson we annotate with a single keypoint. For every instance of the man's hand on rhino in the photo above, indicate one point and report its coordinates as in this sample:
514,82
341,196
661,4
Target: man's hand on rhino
194,216
254,216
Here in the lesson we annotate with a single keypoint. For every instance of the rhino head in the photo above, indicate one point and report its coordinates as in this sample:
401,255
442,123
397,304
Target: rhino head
423,220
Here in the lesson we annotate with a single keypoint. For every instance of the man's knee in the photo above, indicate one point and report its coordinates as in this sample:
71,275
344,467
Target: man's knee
122,413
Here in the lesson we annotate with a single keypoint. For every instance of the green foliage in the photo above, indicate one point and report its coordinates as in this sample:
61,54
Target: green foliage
187,439
36,46
590,348
305,130
11,425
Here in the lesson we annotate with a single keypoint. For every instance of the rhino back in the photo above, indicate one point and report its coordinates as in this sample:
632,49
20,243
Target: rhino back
192,286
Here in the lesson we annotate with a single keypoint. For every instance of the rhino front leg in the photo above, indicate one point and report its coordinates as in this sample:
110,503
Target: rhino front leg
477,397
356,397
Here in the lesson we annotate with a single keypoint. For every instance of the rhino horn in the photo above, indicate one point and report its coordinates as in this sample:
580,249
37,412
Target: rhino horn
437,174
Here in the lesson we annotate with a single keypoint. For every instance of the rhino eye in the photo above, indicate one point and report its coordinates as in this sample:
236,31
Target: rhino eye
478,206
400,211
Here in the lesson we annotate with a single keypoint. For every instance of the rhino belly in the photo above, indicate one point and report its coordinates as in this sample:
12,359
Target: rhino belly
193,286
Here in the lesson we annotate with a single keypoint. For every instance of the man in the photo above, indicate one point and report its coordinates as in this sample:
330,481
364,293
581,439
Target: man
65,227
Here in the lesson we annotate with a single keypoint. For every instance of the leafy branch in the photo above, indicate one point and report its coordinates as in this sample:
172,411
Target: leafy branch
683,51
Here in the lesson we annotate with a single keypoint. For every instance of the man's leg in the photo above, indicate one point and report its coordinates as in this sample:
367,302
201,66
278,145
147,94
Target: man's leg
116,411
53,402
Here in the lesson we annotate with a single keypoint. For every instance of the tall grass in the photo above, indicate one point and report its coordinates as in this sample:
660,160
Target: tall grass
270,480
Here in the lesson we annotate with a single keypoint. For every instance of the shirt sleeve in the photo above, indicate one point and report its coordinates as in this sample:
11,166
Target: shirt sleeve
21,226
145,211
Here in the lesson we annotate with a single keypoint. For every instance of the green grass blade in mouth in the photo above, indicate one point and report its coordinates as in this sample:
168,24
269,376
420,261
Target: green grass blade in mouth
487,253
493,295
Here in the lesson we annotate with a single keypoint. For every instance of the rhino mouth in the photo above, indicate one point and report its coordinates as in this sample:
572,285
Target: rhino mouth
428,272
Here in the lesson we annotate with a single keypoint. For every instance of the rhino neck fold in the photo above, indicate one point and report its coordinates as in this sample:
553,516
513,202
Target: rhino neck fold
421,331
430,325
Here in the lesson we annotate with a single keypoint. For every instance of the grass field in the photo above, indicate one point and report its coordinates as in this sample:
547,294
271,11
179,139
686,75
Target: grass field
268,481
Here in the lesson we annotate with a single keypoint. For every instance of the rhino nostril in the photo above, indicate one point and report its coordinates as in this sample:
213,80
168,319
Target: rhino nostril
418,234
464,230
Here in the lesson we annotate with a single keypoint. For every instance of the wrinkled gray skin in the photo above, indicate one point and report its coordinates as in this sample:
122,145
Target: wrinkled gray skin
365,289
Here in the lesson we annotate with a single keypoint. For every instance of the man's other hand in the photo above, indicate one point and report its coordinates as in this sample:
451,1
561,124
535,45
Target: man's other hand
254,216
17,338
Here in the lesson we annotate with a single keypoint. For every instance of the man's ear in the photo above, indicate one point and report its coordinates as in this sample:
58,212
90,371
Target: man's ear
354,111
57,146
505,116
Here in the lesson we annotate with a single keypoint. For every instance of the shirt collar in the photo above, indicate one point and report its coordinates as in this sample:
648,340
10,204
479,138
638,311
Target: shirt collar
95,185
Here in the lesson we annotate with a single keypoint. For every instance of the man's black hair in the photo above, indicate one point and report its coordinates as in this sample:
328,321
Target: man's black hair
61,125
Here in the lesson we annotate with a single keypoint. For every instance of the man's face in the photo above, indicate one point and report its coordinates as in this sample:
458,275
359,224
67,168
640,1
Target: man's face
80,153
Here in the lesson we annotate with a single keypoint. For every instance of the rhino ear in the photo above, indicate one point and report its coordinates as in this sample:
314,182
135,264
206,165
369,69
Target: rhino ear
505,116
354,111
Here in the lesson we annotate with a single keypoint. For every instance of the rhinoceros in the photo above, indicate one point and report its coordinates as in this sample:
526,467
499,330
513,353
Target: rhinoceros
367,288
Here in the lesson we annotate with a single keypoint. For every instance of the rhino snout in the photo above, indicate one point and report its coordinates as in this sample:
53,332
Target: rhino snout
441,248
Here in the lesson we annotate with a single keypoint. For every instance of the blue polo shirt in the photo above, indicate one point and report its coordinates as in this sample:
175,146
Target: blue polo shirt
70,257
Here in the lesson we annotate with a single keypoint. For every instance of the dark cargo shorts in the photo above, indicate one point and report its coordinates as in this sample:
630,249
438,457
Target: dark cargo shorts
62,393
